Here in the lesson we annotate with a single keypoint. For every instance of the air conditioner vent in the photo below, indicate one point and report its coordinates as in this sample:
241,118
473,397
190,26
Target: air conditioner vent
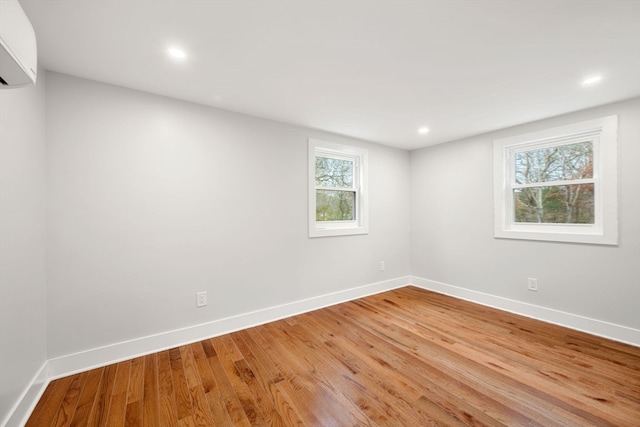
18,48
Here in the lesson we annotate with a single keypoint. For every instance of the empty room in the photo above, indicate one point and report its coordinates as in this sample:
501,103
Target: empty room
319,213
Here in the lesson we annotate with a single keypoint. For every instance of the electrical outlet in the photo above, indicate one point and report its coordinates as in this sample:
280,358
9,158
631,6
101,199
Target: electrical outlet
201,299
532,284
381,265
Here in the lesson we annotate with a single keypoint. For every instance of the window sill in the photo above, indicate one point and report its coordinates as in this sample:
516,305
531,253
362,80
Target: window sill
596,238
335,231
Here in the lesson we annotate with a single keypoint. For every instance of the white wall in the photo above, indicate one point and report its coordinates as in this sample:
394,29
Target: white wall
151,199
452,229
22,241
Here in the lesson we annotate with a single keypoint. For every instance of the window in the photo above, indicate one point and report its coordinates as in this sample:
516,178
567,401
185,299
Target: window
558,184
337,189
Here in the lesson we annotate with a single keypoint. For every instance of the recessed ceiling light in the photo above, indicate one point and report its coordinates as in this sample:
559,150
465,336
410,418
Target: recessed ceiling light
177,53
423,130
591,80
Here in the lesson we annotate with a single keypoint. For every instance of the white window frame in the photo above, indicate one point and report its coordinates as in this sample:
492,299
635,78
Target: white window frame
602,133
359,156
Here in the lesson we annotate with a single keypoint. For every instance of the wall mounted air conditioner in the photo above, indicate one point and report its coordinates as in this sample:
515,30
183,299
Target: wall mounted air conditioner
18,49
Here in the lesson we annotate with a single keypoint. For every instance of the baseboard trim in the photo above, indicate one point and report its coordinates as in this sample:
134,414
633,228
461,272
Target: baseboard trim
580,323
97,357
19,414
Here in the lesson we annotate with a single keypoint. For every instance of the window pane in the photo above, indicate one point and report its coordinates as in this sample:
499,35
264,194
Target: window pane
334,172
335,205
558,204
564,162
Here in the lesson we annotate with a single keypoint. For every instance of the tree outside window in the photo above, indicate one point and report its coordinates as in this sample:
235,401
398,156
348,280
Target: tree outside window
335,194
561,203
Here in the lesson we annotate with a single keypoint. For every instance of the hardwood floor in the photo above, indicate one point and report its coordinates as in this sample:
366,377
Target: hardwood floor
407,357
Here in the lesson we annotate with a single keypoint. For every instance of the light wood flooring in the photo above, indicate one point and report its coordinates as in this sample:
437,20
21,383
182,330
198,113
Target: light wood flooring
406,358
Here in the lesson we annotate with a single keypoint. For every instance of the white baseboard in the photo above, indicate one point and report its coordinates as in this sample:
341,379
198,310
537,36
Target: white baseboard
20,412
102,356
93,358
585,324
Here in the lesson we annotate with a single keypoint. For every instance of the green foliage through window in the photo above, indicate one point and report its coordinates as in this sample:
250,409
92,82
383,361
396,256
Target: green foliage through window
543,192
334,205
561,204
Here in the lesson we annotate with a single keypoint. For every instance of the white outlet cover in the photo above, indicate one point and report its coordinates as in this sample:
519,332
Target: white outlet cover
201,299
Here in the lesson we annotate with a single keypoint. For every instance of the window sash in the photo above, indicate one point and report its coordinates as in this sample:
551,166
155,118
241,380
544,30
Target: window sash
354,210
554,183
355,186
581,211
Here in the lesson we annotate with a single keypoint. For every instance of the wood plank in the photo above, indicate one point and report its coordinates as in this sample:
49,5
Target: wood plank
151,396
263,386
118,401
536,372
166,397
443,371
69,403
457,398
284,379
335,408
257,392
201,414
100,409
397,402
367,395
268,375
446,370
213,392
184,405
231,401
135,393
87,398
251,409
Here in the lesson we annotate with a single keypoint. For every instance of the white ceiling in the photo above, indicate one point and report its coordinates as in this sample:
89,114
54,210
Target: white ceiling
374,70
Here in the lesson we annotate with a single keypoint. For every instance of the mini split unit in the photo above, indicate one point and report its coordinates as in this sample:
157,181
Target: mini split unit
18,49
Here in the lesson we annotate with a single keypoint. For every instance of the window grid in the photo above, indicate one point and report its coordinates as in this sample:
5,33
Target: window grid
553,143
